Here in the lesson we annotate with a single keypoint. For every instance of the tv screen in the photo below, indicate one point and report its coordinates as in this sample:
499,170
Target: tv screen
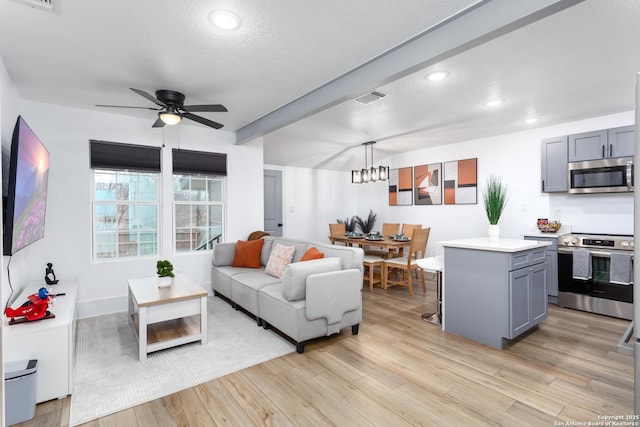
26,198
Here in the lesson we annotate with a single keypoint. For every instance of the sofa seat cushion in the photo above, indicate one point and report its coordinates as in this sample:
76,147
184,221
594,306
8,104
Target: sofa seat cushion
221,278
245,287
294,281
289,317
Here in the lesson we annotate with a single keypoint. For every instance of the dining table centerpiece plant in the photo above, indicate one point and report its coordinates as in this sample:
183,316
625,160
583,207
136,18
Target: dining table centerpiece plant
495,197
164,269
366,225
349,224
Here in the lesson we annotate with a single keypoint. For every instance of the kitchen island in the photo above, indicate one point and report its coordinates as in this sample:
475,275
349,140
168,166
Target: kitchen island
494,292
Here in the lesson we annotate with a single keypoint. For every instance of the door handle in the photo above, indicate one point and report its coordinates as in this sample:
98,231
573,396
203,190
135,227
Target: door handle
279,225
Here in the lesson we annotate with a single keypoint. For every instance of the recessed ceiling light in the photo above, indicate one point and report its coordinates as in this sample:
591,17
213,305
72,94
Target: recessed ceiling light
493,103
437,75
224,20
531,120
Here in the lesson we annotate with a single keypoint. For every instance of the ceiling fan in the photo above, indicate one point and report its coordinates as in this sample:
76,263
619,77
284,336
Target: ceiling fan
173,109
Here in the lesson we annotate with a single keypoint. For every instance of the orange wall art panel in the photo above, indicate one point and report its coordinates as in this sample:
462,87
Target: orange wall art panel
461,182
401,187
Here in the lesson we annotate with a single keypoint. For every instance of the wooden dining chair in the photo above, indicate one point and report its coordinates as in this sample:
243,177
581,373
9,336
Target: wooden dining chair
390,228
387,229
337,230
370,264
407,229
407,265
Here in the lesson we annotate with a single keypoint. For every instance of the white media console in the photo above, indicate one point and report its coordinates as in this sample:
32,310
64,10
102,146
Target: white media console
51,341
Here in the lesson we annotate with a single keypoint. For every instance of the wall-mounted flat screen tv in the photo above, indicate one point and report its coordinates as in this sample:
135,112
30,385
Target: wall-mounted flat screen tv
26,197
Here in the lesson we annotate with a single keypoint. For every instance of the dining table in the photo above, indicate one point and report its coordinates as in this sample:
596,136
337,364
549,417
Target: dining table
386,243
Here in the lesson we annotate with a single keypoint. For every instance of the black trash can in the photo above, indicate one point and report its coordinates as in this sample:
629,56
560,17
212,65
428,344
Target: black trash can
20,391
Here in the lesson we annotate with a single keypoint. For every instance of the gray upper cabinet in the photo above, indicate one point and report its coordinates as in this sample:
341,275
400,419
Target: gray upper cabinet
602,144
622,141
554,165
588,146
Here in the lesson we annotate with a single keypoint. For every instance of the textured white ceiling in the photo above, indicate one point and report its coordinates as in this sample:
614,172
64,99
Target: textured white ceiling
91,52
575,64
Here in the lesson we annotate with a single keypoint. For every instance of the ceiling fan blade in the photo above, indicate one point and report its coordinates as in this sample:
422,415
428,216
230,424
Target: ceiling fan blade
158,123
213,108
149,97
202,120
127,106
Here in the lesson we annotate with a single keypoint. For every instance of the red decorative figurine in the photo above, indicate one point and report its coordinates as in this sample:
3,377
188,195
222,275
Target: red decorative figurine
35,308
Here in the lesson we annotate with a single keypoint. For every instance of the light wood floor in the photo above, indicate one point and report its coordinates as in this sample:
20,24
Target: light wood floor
401,370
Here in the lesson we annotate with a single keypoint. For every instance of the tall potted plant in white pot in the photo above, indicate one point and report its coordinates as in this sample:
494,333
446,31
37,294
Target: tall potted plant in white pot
495,199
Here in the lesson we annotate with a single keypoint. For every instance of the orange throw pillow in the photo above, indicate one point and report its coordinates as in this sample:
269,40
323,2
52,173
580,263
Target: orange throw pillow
248,253
312,253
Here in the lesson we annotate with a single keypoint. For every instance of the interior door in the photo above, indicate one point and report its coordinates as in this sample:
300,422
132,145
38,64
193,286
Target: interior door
273,202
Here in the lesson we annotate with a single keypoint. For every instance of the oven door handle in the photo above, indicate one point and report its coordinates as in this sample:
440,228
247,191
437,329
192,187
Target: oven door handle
601,254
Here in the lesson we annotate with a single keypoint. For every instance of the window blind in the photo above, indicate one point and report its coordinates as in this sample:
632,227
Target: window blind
113,155
191,162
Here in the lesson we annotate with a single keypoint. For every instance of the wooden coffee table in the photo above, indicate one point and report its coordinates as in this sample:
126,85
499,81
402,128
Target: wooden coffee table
167,317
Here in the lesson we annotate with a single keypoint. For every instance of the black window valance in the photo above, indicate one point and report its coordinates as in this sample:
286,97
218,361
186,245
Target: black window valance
114,155
192,162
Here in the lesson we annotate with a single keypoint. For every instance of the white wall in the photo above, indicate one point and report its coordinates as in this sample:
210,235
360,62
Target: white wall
67,243
323,196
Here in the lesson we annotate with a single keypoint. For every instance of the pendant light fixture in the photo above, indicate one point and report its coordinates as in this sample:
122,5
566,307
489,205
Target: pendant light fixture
369,174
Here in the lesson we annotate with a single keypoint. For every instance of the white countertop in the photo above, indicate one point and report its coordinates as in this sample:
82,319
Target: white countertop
503,245
564,229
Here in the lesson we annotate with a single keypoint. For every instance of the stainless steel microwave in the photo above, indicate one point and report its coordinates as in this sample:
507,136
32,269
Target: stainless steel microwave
601,176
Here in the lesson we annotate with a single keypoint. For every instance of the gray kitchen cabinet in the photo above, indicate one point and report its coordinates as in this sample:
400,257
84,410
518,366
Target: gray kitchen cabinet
622,141
552,264
528,298
588,146
494,293
602,144
554,165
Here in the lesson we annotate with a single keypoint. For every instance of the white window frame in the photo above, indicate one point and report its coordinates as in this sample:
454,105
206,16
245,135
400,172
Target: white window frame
176,203
94,203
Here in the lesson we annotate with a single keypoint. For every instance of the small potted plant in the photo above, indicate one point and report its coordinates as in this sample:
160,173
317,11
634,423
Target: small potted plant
495,199
165,273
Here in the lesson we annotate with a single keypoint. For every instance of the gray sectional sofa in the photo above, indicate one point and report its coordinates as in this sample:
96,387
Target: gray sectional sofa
313,299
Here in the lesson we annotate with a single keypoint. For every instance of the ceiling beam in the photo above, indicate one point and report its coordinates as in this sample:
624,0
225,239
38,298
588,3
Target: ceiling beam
484,21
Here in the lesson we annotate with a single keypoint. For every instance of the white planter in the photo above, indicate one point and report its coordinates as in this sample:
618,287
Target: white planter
494,233
164,282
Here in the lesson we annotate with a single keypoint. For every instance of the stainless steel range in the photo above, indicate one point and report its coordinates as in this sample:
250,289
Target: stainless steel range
585,273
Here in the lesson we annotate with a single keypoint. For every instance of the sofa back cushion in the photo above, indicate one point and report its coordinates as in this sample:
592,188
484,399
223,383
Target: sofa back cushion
300,245
349,256
294,280
266,249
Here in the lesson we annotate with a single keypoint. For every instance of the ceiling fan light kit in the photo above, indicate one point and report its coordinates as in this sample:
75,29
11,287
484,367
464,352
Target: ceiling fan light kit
369,174
170,117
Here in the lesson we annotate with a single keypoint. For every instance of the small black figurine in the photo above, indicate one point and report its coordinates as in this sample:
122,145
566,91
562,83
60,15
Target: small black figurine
50,276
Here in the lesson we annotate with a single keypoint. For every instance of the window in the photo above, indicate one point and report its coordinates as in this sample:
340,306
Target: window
125,212
126,188
198,211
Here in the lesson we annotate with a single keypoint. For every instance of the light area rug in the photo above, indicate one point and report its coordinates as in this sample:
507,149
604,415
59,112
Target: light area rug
109,377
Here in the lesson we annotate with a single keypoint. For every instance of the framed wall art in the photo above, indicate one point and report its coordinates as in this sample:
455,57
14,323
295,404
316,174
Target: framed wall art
461,182
427,184
401,187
